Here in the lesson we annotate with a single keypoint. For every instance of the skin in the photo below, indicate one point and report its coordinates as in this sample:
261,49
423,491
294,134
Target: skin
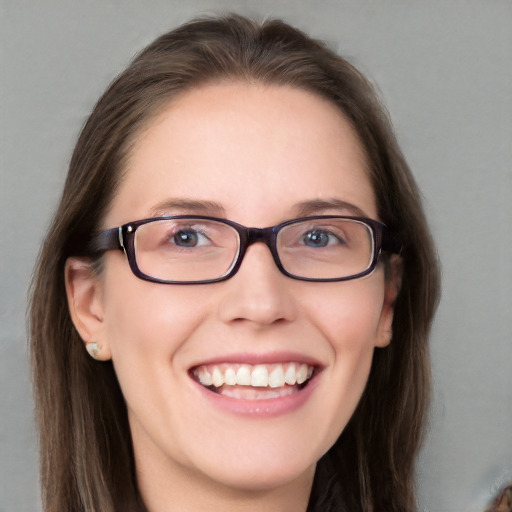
258,152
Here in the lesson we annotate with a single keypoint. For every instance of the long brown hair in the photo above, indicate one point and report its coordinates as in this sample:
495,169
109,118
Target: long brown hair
86,454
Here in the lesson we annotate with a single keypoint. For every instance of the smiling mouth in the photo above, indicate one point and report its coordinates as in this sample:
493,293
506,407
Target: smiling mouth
254,382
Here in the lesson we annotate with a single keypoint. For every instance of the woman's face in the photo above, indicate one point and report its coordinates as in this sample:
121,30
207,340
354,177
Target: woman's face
258,155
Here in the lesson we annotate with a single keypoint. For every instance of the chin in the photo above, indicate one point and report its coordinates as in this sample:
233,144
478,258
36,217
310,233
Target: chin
264,479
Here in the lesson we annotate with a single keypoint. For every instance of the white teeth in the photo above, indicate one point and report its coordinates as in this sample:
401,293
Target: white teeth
204,376
243,376
258,376
230,377
276,377
302,374
289,376
217,377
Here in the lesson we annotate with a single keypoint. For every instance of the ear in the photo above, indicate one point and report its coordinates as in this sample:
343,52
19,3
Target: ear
393,282
85,302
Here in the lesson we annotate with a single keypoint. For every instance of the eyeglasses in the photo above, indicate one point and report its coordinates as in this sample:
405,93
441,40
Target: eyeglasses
185,249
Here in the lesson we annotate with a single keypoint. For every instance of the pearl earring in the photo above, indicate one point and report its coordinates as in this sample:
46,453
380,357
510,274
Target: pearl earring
93,349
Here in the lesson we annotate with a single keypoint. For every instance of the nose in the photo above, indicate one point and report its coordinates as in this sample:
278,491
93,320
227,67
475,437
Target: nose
258,293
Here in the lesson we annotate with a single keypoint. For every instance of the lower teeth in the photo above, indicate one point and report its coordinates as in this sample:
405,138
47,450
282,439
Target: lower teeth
252,393
257,393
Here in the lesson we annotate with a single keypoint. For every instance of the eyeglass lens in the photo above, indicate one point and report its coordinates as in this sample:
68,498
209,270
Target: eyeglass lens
182,250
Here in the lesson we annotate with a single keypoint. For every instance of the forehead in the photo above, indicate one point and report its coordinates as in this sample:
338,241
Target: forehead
253,149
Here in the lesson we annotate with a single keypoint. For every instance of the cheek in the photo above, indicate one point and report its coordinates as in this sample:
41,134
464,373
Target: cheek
147,326
349,313
144,319
348,318
353,336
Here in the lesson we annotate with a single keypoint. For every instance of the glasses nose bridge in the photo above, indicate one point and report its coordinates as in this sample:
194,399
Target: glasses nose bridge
266,236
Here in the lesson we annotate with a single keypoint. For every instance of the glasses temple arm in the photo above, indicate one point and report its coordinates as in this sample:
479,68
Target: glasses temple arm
106,241
390,242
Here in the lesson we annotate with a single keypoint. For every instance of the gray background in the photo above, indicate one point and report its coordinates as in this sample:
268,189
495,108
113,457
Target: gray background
445,71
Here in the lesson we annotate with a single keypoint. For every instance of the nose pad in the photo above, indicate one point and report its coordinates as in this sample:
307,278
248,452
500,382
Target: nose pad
258,292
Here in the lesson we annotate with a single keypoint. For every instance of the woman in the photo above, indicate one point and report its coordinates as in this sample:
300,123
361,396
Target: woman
220,374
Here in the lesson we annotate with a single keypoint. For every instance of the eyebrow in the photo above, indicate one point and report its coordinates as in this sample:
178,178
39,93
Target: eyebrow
215,209
186,206
317,206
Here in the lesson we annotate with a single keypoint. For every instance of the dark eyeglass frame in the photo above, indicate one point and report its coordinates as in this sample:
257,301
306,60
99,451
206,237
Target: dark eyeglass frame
123,238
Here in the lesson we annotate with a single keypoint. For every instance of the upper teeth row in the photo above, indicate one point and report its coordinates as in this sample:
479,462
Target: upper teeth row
260,375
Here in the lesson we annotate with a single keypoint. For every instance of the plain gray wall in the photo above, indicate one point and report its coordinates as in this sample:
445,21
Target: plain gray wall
445,71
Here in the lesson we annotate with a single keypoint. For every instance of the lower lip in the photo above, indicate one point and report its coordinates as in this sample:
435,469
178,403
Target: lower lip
266,408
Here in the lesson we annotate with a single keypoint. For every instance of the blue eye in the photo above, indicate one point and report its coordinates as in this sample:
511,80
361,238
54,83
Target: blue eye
188,238
319,238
